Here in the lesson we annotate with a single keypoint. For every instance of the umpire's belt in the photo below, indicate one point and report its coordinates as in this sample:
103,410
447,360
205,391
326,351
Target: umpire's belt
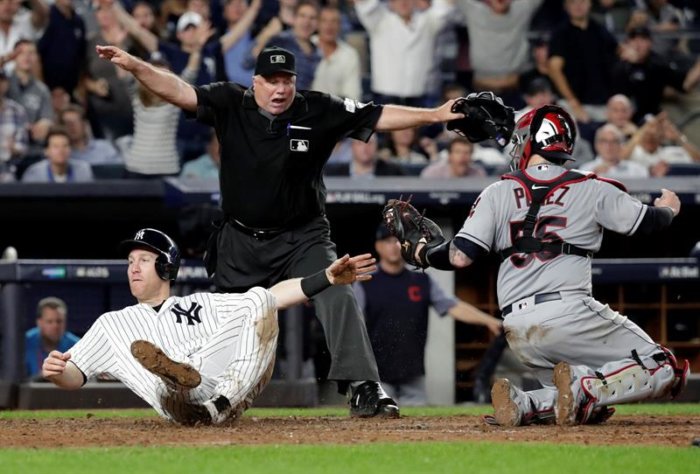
540,298
259,234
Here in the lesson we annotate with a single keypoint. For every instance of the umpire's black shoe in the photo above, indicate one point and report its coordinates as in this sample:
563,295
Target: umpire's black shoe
369,399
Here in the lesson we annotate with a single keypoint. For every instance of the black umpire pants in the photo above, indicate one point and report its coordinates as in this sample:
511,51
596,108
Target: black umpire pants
244,261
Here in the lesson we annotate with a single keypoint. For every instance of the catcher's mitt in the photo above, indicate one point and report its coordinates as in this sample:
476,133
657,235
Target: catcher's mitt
411,228
485,116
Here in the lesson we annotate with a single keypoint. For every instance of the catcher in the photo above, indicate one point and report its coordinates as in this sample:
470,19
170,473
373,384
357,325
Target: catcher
545,222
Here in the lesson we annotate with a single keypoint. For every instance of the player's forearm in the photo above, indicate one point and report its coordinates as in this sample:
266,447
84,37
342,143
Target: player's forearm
70,379
288,293
297,290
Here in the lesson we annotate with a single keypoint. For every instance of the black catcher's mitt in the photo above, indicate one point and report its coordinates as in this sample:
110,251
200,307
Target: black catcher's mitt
411,228
485,116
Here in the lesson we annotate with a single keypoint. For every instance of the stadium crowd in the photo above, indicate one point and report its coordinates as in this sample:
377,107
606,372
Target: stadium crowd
619,66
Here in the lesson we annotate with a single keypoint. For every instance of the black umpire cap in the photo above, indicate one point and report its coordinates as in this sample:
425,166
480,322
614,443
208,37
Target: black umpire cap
273,60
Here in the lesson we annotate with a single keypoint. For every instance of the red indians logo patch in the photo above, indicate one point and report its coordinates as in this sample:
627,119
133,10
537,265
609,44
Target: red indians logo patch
414,294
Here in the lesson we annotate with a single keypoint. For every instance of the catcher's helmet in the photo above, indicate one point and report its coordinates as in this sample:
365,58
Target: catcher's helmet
548,131
168,260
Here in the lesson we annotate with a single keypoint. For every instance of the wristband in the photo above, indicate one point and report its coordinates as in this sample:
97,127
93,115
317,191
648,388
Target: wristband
314,284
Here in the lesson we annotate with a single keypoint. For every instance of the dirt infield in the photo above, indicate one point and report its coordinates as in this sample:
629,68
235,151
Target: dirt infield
92,431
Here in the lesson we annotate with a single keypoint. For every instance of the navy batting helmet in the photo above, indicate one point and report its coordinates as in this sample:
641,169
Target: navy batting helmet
168,260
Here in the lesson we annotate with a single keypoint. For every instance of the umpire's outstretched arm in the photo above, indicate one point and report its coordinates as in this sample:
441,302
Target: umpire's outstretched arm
164,84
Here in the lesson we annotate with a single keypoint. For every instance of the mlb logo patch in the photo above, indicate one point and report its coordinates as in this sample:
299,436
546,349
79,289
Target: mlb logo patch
299,145
278,59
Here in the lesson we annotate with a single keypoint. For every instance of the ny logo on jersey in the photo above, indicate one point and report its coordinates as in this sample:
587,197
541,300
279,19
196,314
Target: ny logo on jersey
192,314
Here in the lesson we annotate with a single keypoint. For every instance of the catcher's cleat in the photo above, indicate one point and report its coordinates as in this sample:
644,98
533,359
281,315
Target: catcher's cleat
506,412
370,400
568,403
155,361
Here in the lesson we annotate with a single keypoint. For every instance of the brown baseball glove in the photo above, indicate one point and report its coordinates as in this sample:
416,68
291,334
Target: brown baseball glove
412,228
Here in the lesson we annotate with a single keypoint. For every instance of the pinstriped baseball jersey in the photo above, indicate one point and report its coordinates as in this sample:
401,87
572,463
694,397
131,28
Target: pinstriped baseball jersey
221,335
575,213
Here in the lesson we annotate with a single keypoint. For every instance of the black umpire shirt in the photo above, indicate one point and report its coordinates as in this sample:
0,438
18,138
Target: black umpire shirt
271,166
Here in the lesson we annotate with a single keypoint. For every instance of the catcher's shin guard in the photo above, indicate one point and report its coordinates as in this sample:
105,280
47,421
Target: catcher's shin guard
626,381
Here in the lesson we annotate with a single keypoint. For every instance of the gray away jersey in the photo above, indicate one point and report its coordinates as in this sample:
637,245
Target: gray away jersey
183,329
575,213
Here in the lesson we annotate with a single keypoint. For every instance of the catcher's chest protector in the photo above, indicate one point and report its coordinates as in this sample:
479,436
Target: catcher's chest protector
537,192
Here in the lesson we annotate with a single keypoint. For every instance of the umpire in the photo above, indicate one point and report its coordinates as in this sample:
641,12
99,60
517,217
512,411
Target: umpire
275,141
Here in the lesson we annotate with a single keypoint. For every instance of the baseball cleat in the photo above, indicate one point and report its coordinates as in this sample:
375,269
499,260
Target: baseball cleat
565,409
505,409
370,400
155,361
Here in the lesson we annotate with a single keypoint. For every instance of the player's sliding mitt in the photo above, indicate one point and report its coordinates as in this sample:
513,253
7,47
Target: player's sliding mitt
411,228
485,116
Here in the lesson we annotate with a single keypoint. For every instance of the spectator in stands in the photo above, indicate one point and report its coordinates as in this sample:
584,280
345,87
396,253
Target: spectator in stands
238,42
274,18
609,161
153,151
109,105
17,23
298,41
85,147
62,47
29,91
50,334
57,167
395,303
170,12
14,139
658,143
582,54
540,57
458,164
613,14
339,70
365,162
60,99
642,74
402,44
498,44
207,165
537,94
402,148
660,17
192,137
145,16
619,112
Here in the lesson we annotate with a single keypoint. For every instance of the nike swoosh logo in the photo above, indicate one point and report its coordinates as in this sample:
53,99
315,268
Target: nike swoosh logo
539,187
